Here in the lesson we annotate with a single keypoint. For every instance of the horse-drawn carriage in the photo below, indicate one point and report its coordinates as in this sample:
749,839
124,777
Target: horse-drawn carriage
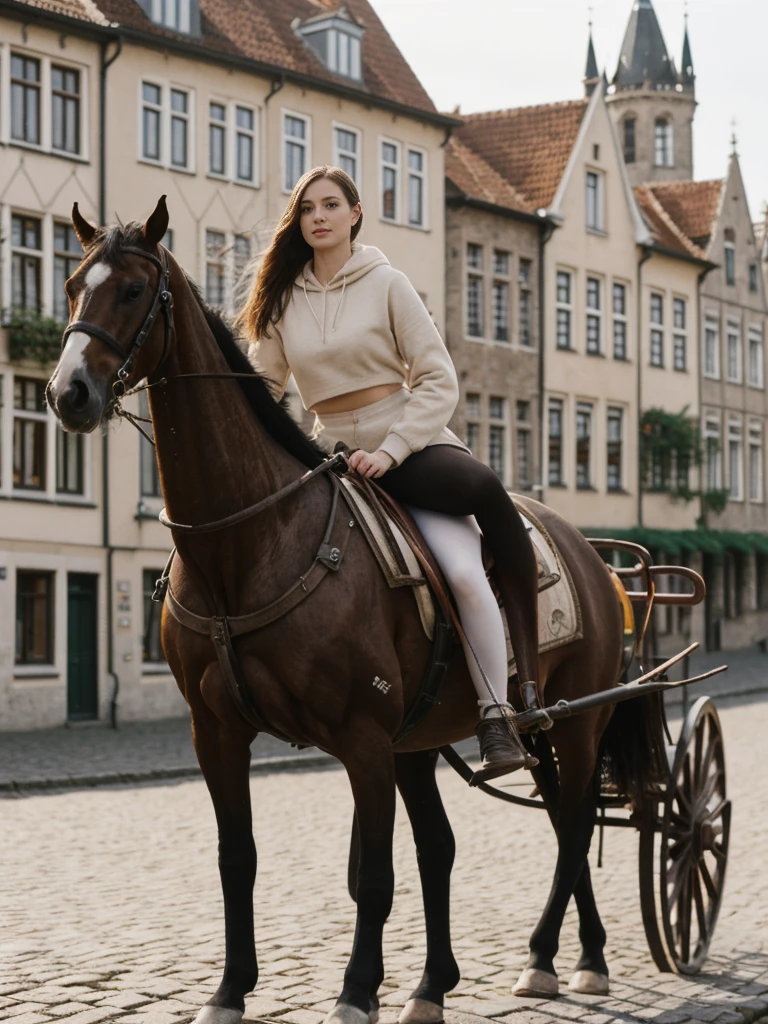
684,821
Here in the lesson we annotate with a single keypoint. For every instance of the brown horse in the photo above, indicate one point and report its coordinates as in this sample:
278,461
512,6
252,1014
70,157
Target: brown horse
224,445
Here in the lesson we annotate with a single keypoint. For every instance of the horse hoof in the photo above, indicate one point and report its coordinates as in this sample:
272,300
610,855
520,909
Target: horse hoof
343,1013
536,984
218,1015
420,1011
590,983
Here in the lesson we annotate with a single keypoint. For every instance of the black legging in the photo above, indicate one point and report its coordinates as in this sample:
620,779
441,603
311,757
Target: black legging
442,478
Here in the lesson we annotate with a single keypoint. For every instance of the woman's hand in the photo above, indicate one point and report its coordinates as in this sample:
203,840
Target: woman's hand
371,465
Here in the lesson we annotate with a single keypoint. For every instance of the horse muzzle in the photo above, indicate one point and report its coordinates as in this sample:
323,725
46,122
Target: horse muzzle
78,401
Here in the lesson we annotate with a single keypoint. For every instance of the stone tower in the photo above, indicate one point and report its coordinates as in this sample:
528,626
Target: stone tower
652,103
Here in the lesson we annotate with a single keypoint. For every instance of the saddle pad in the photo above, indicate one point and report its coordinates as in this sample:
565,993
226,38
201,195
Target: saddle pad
559,608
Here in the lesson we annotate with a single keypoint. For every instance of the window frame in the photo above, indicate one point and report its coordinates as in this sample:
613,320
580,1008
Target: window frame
711,324
656,330
523,444
305,144
28,86
585,409
501,282
49,598
238,132
713,468
498,427
67,257
339,154
593,314
25,254
45,103
729,263
223,126
733,330
755,443
151,613
421,176
598,225
77,99
397,167
525,316
735,437
476,275
473,419
755,340
630,119
614,413
620,320
667,148
679,334
565,308
186,119
556,405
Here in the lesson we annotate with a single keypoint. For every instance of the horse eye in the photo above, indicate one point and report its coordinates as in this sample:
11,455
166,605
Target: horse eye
135,291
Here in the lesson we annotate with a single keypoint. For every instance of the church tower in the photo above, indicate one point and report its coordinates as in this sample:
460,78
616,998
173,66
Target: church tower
652,103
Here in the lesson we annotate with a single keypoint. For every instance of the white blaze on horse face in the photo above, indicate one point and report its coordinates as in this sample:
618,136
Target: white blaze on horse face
73,356
97,274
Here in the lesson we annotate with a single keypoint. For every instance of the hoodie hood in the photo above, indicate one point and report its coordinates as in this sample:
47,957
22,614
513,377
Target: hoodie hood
363,259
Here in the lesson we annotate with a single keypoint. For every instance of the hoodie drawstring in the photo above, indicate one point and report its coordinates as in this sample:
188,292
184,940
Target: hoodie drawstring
314,314
321,324
341,303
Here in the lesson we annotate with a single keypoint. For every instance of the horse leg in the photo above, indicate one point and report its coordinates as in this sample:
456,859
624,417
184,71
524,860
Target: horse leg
575,825
435,850
369,762
225,757
591,975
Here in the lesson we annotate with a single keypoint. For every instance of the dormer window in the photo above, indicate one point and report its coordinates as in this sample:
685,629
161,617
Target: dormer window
181,16
336,40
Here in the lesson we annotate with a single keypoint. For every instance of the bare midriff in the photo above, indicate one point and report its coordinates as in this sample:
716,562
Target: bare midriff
356,399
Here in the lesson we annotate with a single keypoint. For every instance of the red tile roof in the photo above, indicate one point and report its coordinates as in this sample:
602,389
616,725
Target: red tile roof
476,179
260,31
693,206
666,232
528,146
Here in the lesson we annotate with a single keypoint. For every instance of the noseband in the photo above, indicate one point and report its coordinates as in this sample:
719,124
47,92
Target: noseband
163,300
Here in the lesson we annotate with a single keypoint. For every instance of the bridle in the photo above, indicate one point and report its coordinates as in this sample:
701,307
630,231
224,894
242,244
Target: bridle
163,301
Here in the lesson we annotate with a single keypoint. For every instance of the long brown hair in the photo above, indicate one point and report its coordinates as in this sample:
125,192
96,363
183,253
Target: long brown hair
287,254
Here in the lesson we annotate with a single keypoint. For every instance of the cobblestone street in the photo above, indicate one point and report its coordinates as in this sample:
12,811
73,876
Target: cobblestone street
110,904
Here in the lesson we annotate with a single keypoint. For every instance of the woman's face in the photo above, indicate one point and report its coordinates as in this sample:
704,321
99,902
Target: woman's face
326,218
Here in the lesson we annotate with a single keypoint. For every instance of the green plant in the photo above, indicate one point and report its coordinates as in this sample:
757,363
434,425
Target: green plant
34,336
669,446
714,501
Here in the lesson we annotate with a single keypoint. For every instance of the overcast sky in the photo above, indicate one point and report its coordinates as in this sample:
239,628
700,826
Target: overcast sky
490,54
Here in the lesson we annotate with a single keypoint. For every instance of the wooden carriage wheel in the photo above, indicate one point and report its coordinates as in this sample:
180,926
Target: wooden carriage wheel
684,896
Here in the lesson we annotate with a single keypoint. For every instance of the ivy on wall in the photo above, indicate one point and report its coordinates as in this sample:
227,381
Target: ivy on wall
34,336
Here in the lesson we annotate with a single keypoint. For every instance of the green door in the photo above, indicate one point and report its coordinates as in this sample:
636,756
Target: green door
82,649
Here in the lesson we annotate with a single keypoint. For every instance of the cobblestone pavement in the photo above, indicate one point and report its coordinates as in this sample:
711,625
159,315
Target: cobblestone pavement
96,754
110,905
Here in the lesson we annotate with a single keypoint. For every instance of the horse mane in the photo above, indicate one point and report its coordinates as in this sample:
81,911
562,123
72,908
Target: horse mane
272,415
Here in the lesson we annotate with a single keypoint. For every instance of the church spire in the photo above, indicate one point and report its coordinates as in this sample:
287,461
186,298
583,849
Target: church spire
591,75
644,59
687,74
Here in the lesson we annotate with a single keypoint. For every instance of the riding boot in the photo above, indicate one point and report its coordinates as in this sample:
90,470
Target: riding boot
500,748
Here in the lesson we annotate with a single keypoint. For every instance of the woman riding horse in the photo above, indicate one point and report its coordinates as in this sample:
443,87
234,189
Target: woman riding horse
369,362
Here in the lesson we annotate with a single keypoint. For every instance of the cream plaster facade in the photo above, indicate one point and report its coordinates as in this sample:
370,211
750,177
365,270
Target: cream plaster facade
110,533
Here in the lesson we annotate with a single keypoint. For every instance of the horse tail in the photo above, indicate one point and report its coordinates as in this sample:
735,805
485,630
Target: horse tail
633,749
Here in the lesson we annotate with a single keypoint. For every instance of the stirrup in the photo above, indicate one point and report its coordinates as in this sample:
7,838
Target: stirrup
534,717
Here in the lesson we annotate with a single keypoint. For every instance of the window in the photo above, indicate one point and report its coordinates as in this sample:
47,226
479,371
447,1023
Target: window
524,446
67,253
735,470
173,14
753,277
245,144
34,618
337,42
26,263
29,434
583,446
619,321
348,47
733,352
25,99
680,338
217,138
473,421
152,651
711,348
179,128
663,145
475,296
346,145
615,448
390,184
657,331
416,187
215,244
65,109
151,121
594,201
295,145
564,309
69,462
730,263
555,454
713,453
755,462
594,317
500,296
755,357
629,140
497,411
526,303
149,476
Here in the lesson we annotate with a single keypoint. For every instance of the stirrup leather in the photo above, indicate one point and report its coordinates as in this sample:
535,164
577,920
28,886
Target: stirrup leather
534,717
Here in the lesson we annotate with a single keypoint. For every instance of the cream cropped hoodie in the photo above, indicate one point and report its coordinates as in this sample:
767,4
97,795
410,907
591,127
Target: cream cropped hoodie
367,326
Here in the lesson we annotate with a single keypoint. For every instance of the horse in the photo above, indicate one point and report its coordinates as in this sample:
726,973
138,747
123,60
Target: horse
312,675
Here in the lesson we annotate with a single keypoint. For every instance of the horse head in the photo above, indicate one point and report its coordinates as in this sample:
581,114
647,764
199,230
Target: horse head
120,319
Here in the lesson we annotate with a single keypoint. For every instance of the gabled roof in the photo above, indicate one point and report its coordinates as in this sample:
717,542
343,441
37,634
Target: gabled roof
475,179
260,31
528,146
667,234
694,206
644,59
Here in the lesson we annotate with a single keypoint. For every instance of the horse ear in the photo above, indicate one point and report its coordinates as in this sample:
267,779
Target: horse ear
157,223
85,232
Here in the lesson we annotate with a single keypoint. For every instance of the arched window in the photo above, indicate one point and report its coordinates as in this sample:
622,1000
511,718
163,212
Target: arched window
629,139
663,143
